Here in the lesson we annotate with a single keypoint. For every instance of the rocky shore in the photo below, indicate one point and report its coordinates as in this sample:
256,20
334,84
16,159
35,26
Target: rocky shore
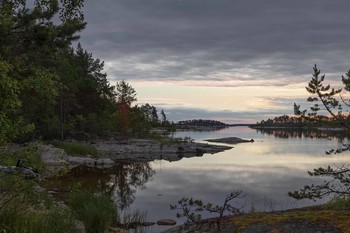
116,151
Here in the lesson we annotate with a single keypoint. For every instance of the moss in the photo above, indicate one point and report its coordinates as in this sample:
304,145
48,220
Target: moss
338,219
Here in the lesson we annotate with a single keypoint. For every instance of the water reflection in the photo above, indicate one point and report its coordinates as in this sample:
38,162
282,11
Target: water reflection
265,171
127,179
301,133
120,182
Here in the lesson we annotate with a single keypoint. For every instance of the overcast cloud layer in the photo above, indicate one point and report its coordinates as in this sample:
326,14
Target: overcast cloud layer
219,42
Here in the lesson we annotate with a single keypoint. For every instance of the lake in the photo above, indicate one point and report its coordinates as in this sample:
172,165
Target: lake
266,170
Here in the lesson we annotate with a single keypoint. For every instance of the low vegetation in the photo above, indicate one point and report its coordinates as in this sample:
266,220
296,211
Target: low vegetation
75,148
25,207
316,217
97,212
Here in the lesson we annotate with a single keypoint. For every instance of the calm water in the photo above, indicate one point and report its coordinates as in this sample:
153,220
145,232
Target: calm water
266,170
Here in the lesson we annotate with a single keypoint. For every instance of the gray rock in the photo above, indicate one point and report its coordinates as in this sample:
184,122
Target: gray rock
166,222
149,150
52,156
79,226
105,162
28,173
82,161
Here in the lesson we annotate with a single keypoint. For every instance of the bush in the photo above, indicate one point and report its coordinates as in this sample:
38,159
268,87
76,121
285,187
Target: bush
96,211
28,154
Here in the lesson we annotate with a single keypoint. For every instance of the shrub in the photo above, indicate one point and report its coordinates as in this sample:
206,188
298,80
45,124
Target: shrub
339,203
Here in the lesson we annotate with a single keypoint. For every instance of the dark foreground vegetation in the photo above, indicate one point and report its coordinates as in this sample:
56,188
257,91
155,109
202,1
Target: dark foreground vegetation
50,90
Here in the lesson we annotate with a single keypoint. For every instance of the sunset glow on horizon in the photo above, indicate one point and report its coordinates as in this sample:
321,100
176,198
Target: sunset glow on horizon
235,61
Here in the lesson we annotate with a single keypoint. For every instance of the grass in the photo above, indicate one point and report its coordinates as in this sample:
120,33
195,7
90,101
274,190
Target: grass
133,220
96,211
21,220
339,203
25,209
75,148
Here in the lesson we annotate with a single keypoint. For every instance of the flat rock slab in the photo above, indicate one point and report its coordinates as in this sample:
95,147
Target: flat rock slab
229,140
142,150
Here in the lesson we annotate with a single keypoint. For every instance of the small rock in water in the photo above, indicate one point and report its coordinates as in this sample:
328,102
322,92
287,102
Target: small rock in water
166,222
147,224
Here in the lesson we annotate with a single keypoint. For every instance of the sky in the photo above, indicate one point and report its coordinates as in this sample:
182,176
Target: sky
237,61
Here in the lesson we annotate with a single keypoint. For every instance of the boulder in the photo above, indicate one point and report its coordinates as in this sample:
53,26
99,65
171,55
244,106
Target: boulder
52,156
105,162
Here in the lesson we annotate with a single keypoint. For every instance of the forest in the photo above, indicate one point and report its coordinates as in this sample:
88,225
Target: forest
52,88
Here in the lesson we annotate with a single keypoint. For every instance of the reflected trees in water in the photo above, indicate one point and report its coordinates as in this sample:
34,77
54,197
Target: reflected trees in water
303,133
127,179
120,182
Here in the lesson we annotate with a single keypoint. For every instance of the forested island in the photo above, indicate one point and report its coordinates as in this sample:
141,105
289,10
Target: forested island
302,122
201,124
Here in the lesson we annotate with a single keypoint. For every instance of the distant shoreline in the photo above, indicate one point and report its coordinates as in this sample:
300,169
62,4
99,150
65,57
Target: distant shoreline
299,128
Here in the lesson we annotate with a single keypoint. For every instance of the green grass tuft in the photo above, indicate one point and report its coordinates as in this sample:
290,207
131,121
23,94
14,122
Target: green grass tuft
96,211
34,220
75,148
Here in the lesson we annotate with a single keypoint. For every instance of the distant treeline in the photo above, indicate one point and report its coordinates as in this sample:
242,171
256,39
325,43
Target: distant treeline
298,122
201,123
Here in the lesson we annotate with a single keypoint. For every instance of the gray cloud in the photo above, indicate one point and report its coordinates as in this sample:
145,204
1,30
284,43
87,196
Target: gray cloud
219,40
220,43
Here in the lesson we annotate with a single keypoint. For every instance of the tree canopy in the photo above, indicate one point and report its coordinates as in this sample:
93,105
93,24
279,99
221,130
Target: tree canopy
48,88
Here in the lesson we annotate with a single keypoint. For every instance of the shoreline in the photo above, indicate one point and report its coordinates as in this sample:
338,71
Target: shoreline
300,128
111,152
